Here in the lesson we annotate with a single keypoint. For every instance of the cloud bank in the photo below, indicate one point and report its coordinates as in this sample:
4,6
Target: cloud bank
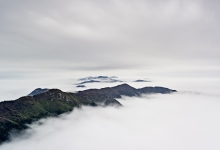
177,121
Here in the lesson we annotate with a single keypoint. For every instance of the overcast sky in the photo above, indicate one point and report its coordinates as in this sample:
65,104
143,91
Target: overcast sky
111,35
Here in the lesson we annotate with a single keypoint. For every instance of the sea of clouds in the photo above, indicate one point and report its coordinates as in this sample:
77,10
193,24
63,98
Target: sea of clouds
188,119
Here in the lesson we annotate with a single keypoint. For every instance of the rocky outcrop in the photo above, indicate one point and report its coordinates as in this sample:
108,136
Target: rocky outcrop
37,91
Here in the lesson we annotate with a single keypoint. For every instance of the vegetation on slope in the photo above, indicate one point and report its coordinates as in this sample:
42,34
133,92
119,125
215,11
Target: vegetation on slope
16,114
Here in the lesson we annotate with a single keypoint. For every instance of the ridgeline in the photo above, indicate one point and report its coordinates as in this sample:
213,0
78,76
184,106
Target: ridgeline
14,115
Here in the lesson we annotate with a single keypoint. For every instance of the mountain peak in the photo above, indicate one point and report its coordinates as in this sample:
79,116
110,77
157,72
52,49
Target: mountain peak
38,91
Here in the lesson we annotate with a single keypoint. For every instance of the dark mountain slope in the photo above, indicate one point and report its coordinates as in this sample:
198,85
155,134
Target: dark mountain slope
16,114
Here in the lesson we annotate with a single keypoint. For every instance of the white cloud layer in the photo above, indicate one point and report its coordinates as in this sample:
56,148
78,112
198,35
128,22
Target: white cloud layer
184,120
178,121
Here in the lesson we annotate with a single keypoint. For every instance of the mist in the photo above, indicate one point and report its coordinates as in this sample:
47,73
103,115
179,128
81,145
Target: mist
187,119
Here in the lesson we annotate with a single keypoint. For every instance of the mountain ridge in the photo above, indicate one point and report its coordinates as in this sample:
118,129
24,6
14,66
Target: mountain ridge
16,114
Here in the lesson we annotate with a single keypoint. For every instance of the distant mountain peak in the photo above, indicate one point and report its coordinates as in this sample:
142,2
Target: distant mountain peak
140,80
101,79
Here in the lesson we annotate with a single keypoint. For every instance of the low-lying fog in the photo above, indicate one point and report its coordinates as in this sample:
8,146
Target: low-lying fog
188,119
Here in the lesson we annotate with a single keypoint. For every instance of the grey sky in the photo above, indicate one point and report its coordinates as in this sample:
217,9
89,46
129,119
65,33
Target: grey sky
106,35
